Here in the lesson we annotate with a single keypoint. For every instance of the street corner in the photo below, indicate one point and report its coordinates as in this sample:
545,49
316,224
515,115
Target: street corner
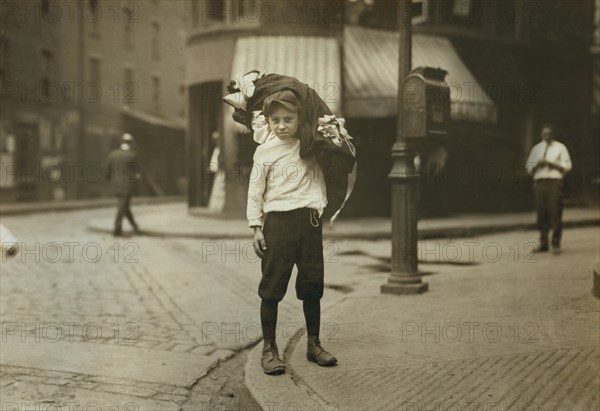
281,392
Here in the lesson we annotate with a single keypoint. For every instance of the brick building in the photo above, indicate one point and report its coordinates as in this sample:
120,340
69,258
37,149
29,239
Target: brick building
75,76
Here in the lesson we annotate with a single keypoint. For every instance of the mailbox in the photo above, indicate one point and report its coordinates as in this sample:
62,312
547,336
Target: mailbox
425,103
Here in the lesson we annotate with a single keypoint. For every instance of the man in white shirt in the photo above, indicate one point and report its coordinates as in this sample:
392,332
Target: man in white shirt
548,162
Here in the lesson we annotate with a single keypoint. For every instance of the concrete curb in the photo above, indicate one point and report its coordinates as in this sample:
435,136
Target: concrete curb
102,226
7,209
596,280
287,391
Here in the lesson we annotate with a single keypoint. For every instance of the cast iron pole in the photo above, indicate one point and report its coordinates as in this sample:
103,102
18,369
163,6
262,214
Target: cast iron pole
404,277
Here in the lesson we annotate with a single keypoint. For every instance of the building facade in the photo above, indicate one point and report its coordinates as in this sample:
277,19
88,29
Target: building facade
512,65
75,76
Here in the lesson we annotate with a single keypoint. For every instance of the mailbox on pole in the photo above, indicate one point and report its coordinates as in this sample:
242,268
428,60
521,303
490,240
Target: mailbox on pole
426,103
423,115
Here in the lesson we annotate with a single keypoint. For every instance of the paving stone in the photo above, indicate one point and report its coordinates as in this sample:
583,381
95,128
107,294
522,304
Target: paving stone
183,348
82,384
161,367
126,389
203,350
58,381
30,378
29,396
170,397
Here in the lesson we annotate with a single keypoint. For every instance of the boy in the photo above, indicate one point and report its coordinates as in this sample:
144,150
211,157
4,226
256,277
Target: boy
286,199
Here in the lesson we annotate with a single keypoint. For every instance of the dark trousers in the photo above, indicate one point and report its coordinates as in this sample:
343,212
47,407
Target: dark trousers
124,210
292,238
548,199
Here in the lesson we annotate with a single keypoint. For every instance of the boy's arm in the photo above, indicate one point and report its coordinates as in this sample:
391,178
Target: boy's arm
254,211
256,191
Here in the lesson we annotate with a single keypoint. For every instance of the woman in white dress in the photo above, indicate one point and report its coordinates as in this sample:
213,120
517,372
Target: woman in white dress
216,201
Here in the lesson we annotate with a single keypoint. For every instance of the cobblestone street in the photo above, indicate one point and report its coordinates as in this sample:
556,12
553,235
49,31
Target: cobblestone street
128,323
90,322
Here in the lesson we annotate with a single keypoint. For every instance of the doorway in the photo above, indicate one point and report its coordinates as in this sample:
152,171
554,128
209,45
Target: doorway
205,117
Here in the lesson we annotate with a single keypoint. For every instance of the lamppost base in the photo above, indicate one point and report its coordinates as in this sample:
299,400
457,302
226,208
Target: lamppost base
398,286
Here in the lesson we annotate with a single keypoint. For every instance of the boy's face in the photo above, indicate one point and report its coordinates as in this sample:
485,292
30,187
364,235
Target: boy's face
283,122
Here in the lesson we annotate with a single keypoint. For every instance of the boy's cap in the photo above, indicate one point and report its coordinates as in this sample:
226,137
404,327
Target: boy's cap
286,98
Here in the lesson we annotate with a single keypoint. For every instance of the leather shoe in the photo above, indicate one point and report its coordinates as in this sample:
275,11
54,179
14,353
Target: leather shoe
270,362
316,353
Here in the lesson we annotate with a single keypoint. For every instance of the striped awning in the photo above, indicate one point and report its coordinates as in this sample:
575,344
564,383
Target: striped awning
313,60
371,75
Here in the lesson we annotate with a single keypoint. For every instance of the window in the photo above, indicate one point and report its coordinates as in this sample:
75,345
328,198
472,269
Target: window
195,12
48,67
419,11
129,87
213,10
45,7
182,100
48,57
2,80
4,56
156,40
461,8
128,76
129,13
156,93
95,70
128,36
93,14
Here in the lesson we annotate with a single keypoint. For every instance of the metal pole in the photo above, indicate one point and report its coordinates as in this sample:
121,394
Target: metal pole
404,277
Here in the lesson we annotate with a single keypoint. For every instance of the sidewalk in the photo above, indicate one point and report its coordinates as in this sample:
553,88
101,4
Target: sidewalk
503,335
174,220
70,205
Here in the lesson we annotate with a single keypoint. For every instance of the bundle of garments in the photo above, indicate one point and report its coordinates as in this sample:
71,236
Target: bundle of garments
321,134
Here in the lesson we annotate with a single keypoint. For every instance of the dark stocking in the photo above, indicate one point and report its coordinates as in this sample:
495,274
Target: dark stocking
268,318
312,314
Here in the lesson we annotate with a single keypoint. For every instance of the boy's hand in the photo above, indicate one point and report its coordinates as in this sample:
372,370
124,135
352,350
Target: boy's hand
260,246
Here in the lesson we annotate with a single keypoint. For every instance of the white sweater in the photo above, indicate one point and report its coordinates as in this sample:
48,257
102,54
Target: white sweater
282,181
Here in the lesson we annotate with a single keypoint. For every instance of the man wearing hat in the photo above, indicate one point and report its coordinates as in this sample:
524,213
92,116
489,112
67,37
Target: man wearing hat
122,169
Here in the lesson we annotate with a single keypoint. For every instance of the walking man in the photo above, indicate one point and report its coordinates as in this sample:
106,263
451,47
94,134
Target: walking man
548,162
123,171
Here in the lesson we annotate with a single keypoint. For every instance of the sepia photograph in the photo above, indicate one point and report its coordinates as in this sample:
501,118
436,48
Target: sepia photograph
300,205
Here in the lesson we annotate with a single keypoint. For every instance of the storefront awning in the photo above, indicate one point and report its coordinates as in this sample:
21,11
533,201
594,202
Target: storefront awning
371,75
154,120
313,60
